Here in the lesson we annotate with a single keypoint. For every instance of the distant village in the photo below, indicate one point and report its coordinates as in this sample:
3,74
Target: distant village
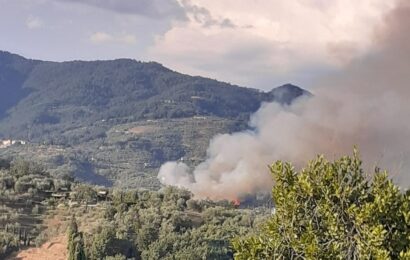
9,142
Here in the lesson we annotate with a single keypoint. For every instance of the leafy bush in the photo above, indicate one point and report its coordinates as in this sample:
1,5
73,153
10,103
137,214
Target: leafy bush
8,243
145,224
330,210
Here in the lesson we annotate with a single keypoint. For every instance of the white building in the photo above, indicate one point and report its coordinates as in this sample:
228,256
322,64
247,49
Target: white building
9,142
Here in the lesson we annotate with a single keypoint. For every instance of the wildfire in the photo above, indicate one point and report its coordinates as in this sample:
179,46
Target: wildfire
236,202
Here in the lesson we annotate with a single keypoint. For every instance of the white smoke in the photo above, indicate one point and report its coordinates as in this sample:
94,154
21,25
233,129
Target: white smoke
367,105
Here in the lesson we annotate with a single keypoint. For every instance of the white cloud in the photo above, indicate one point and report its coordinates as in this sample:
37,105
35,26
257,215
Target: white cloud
34,22
258,43
100,37
103,37
128,39
272,40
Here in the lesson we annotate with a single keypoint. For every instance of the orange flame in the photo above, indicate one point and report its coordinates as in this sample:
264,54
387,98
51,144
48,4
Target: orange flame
236,202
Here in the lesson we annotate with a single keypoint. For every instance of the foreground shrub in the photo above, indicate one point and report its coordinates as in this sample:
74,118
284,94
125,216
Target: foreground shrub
331,210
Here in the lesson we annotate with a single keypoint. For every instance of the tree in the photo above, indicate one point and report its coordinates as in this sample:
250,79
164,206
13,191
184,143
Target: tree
75,242
331,210
79,253
102,244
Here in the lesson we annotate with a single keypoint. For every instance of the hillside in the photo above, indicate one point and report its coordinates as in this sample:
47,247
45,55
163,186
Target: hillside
118,120
36,210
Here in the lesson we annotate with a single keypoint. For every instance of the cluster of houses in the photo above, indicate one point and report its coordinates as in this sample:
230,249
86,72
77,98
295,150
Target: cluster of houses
64,194
9,142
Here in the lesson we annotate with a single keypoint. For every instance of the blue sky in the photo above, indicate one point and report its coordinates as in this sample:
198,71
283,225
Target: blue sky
256,43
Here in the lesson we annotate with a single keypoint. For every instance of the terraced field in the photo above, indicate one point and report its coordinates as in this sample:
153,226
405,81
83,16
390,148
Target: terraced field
129,155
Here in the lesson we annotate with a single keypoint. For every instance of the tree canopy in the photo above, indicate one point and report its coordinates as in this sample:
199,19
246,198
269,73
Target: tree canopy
332,210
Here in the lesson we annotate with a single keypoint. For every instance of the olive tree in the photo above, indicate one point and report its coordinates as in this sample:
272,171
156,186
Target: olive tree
332,210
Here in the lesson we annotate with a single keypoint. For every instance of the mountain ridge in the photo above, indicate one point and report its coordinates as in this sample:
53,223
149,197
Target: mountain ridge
96,110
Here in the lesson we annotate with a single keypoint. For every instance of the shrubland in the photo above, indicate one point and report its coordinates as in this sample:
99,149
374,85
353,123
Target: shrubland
167,224
327,210
105,223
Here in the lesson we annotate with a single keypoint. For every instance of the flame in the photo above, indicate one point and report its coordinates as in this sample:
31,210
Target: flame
236,202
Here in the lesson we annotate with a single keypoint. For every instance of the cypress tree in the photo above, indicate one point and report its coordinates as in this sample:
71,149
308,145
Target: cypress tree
75,242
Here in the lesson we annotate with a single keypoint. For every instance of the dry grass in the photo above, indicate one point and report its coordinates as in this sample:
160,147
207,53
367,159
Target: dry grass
53,239
54,249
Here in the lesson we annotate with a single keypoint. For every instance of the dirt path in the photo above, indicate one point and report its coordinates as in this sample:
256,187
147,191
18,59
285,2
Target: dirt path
56,246
55,249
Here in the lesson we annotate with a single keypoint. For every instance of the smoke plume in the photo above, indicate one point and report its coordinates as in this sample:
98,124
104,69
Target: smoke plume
367,104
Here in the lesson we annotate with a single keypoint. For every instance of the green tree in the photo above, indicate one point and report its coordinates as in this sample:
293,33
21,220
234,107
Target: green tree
84,193
116,257
331,210
102,244
75,242
79,253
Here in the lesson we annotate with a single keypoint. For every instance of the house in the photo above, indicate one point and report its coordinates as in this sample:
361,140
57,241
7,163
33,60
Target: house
9,142
102,195
60,195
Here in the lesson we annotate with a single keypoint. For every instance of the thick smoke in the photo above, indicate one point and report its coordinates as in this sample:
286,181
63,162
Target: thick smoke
367,105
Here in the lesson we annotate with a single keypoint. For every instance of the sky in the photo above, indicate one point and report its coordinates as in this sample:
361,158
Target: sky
253,43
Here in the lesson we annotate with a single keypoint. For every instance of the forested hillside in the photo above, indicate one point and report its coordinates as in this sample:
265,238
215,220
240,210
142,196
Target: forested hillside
38,94
109,120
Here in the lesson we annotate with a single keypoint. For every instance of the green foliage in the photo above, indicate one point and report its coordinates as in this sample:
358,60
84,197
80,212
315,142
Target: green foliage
79,253
25,189
85,193
76,93
116,257
8,243
103,243
76,116
140,224
159,225
75,244
330,210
